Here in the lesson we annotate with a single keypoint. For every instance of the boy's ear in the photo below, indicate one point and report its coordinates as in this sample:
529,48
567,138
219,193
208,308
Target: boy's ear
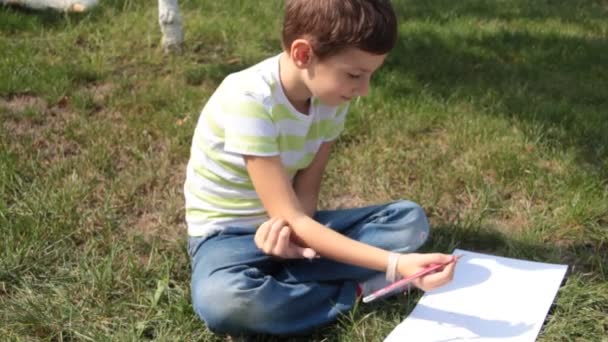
301,53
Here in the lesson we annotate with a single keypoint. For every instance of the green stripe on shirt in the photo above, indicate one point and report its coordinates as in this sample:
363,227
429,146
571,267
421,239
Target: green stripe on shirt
230,204
212,177
291,142
281,112
246,109
265,145
217,158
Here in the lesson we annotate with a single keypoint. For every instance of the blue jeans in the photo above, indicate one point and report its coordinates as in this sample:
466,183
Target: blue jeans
237,289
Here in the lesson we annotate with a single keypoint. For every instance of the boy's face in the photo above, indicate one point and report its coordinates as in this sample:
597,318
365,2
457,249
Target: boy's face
341,77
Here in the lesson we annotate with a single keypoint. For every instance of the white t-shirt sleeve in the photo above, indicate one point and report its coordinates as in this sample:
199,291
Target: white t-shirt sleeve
249,128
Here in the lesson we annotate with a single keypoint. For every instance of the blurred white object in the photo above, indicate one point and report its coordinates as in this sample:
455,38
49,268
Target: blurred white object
170,21
60,5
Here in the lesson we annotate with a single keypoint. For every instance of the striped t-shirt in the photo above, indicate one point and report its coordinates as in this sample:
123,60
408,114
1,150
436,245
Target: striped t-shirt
249,114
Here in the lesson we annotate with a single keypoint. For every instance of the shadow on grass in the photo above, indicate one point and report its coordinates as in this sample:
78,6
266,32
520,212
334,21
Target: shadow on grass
553,82
584,257
440,10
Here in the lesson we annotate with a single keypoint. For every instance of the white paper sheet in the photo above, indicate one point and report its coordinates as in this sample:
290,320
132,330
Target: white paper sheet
490,299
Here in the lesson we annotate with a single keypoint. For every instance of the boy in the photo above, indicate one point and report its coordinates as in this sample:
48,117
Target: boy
258,154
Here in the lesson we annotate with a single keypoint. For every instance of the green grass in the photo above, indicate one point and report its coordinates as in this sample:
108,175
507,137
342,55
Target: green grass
491,114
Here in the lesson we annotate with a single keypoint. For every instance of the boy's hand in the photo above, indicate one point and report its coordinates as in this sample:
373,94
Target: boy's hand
273,237
414,262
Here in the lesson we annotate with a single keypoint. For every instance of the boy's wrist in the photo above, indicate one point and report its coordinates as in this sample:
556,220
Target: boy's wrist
392,267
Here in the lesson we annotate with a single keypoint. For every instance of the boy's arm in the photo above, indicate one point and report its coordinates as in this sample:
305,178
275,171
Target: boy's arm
274,189
307,182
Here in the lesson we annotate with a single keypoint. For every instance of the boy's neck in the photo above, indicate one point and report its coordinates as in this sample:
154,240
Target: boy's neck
295,89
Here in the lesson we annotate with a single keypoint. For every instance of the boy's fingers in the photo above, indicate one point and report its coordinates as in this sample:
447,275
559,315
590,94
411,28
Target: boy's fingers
274,238
287,249
436,258
279,223
306,252
282,246
275,232
429,282
437,279
271,238
261,233
450,268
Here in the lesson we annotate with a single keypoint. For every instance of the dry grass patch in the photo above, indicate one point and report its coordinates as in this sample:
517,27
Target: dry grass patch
510,222
157,225
101,92
160,215
40,127
22,102
343,202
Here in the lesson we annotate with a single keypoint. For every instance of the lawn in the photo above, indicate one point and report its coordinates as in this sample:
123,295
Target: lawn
493,115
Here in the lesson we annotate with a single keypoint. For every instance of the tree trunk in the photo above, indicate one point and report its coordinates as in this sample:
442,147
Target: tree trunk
170,24
60,5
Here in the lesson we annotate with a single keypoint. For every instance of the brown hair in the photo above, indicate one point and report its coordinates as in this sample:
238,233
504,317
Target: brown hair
333,25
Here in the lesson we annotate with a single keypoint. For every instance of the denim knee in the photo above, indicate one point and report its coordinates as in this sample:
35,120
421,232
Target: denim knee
415,224
225,308
215,305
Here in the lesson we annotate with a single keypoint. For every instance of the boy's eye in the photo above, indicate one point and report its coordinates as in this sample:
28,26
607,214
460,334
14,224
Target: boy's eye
353,76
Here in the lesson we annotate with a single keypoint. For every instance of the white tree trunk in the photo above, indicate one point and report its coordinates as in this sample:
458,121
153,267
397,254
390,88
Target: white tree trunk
61,5
170,24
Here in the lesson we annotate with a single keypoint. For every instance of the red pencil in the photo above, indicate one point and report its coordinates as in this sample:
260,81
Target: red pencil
402,284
